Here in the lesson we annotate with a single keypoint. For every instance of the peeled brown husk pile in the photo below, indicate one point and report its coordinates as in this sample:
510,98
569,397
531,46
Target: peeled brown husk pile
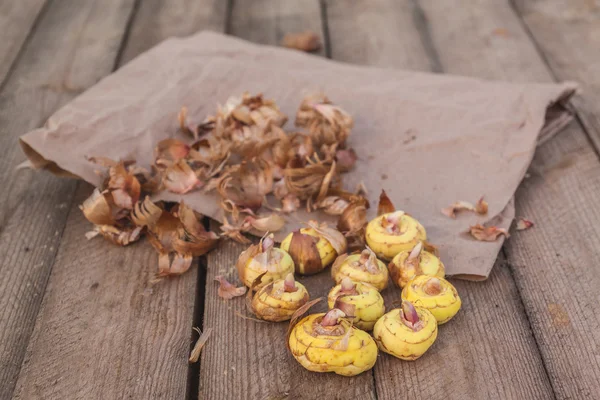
243,154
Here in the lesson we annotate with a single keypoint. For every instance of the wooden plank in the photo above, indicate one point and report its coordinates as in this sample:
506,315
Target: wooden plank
51,70
379,32
487,350
549,262
567,32
101,320
17,18
157,20
247,359
267,21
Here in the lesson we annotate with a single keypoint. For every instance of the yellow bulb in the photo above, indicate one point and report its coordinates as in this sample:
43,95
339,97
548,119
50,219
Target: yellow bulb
402,271
363,301
273,303
389,234
394,337
434,294
362,267
349,353
279,265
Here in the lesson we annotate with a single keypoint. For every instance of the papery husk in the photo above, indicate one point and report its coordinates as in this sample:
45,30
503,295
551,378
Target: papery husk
247,184
332,235
481,207
304,41
123,186
326,123
118,236
385,205
305,254
271,223
170,264
301,148
487,233
97,208
227,290
195,354
312,181
146,213
209,156
523,224
180,178
353,222
177,238
170,151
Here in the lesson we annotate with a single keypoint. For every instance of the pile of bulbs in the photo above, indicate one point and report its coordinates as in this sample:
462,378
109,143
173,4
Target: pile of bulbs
338,341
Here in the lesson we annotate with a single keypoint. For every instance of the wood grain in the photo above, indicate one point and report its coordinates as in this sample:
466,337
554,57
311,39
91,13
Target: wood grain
567,33
52,68
549,261
248,359
488,347
103,330
17,18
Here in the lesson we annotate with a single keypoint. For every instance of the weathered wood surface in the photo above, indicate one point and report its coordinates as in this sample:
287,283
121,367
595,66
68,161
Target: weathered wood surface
553,263
52,68
16,19
567,34
267,21
104,331
490,337
102,319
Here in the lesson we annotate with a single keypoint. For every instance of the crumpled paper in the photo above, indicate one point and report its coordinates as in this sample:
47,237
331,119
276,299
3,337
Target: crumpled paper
428,140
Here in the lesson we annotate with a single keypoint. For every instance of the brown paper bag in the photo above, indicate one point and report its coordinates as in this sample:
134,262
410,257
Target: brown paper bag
428,140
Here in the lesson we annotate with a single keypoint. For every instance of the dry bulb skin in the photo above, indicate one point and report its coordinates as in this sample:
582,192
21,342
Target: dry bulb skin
328,124
359,301
435,294
329,343
264,258
177,235
408,264
314,248
406,332
278,300
363,267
